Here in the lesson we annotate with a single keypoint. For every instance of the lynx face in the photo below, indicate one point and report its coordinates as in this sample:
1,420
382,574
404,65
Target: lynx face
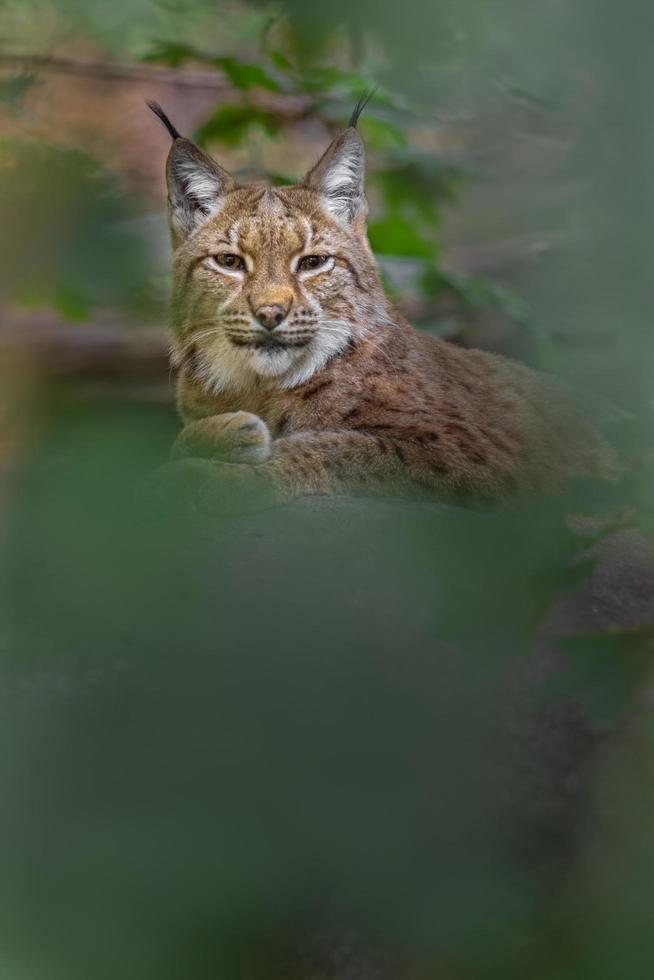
269,286
269,282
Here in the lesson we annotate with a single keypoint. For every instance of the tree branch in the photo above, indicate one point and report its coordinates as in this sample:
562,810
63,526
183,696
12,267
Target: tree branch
117,71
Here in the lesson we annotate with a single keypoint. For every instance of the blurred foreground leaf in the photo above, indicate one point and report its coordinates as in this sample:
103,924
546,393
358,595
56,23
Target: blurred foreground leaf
242,730
604,671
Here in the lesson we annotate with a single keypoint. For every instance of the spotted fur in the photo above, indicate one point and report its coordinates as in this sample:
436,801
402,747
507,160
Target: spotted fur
343,393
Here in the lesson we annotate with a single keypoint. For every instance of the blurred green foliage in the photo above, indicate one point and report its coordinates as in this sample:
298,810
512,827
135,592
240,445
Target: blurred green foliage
67,238
223,738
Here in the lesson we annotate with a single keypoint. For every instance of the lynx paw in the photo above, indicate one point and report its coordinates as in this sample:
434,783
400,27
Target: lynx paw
237,437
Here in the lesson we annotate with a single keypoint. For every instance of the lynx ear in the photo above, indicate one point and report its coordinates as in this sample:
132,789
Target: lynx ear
196,183
339,177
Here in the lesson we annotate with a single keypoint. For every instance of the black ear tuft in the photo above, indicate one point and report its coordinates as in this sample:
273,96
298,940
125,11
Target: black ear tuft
158,111
360,106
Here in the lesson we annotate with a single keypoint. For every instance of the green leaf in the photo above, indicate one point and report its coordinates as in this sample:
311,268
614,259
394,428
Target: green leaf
244,76
381,134
417,187
14,88
72,302
173,53
277,57
324,79
231,123
279,60
281,180
398,236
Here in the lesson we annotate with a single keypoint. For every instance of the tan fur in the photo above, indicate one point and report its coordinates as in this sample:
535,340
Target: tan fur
358,399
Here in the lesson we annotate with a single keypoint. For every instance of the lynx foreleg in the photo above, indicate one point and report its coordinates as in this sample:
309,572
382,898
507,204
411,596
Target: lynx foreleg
335,462
236,437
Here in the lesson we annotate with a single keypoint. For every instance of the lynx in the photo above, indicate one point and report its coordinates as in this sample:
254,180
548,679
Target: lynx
295,371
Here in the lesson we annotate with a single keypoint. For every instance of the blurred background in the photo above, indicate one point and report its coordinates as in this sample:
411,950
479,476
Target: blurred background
285,739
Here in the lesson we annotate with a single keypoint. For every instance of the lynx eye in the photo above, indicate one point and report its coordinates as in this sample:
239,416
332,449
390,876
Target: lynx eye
308,262
227,260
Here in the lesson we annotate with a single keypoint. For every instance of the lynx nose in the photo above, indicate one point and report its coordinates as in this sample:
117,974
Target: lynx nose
270,315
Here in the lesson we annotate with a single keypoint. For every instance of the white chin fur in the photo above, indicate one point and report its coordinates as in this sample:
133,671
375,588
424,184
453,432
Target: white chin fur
270,364
229,367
